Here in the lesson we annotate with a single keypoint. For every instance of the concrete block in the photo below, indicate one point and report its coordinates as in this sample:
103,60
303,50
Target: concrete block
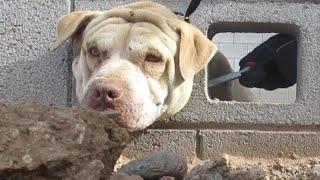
28,70
236,65
275,96
266,36
107,4
223,38
247,38
259,143
233,50
180,141
256,92
262,17
292,94
250,47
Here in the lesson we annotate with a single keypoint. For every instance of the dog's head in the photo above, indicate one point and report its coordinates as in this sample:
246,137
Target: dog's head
138,59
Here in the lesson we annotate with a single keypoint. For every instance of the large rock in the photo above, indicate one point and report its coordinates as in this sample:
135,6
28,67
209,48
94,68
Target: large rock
157,165
42,142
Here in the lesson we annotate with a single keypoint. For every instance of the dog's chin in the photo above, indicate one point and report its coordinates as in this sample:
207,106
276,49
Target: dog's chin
132,120
131,123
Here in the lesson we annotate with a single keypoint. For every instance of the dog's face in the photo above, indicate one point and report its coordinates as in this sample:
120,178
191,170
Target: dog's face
134,60
125,67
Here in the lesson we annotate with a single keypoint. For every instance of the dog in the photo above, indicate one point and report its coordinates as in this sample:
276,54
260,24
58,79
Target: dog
138,59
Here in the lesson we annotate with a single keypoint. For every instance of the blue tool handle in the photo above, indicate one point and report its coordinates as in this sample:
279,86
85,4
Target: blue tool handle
228,77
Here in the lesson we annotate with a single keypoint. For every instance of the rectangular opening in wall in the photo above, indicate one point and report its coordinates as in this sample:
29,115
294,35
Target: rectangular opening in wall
272,58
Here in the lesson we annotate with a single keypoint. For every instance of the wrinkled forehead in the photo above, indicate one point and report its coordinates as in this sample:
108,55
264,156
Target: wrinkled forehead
144,33
117,30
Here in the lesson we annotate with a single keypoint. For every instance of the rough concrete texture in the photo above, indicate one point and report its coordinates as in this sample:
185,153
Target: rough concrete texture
42,142
258,144
28,70
301,19
179,141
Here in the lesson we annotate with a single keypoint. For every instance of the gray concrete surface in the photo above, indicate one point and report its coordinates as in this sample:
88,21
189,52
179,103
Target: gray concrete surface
179,141
29,70
300,19
258,143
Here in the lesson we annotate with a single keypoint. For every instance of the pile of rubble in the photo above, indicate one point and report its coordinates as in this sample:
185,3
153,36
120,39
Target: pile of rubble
43,142
171,166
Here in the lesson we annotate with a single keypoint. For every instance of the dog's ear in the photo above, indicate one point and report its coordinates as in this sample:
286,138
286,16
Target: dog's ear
195,49
71,25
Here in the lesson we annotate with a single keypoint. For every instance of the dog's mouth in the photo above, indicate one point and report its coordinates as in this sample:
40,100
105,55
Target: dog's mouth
110,113
130,118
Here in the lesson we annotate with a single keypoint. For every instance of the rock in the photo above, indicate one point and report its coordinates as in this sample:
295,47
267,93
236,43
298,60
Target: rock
218,176
43,142
221,169
167,178
256,171
122,176
315,170
294,156
156,165
210,170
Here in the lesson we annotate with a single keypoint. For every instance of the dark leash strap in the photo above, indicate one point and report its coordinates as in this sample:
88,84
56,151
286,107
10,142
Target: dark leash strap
191,8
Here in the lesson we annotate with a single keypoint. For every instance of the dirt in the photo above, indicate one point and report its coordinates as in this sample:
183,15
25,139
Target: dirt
44,142
236,167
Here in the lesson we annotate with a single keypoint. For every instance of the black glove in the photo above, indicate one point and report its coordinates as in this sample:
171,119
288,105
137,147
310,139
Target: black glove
274,64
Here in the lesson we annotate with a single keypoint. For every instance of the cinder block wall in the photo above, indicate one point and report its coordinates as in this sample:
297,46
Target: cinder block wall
204,128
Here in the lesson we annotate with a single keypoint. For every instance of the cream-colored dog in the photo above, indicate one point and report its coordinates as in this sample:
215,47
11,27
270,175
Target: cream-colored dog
138,59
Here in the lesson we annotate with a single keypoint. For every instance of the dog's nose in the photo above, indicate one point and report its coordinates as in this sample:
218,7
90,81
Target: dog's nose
107,93
103,96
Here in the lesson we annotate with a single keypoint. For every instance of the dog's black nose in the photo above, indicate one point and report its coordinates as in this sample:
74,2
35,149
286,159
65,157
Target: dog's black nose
103,95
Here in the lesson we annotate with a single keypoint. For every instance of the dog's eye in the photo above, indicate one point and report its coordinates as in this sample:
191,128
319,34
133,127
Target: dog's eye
152,58
94,51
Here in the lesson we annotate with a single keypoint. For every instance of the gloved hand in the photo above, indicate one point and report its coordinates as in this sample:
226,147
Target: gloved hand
274,64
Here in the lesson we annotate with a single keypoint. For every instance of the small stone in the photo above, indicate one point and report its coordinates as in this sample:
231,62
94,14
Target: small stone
167,178
218,176
156,165
315,170
14,132
209,170
281,154
122,176
27,159
294,156
257,171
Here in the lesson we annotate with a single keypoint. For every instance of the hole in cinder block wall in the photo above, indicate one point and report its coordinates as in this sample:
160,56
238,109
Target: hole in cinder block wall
234,46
